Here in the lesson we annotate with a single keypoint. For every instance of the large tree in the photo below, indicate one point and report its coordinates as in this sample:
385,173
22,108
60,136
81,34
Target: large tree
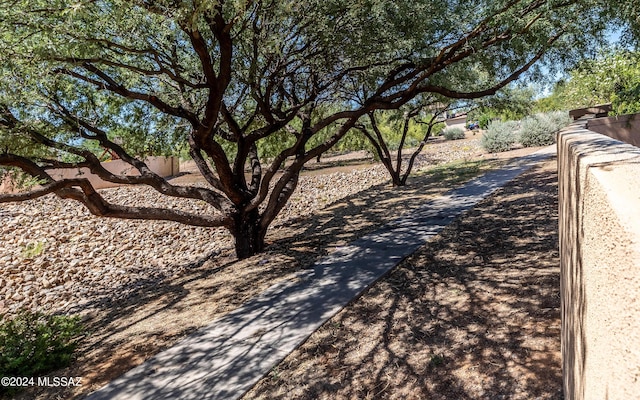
224,76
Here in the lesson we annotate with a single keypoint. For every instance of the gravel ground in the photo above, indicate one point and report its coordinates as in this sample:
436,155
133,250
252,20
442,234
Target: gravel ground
152,283
473,314
56,257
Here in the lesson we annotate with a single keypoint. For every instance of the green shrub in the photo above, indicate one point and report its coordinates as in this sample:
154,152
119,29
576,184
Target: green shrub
500,136
559,119
438,129
33,250
536,131
485,119
453,134
35,343
540,129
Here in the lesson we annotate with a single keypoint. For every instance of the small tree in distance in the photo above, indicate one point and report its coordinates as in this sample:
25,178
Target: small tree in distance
423,112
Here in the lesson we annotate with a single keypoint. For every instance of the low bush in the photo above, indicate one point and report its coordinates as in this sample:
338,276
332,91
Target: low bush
500,136
559,119
453,134
35,343
541,129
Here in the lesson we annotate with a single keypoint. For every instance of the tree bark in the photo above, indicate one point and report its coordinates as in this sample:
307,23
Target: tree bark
247,233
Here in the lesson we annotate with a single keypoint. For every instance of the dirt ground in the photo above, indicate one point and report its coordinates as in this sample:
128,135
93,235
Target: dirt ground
474,314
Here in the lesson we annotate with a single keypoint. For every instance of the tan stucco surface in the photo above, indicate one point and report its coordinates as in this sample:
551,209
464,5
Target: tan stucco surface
625,128
599,192
163,166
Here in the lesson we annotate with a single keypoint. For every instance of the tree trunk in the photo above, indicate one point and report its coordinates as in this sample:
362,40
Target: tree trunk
249,237
396,180
395,174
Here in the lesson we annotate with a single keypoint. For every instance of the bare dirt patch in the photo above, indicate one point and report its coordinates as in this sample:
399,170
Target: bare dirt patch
474,314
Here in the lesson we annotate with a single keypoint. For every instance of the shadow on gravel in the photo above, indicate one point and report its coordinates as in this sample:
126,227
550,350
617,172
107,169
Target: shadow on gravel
145,318
474,314
304,240
308,239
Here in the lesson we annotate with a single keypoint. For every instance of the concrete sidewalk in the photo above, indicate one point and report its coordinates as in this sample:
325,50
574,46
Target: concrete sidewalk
226,358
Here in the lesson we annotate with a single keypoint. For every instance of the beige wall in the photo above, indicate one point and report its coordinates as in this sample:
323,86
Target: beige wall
625,128
599,193
6,185
163,166
456,122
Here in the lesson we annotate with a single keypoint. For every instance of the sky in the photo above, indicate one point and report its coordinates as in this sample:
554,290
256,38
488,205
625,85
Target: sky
613,38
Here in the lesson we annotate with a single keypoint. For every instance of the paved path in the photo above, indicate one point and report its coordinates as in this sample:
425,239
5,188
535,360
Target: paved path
226,358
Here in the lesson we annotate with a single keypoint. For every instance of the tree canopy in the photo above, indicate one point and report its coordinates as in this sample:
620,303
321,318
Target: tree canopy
612,77
511,103
222,77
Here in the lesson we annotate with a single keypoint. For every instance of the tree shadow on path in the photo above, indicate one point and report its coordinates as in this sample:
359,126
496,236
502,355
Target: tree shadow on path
474,314
149,315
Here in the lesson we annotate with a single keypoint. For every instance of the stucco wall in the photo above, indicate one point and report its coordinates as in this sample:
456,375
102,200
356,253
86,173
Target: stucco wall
163,166
625,128
456,122
599,193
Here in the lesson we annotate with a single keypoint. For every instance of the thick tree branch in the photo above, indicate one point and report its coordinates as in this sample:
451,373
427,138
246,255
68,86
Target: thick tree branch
405,131
100,207
25,164
379,140
97,205
147,177
203,167
256,169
